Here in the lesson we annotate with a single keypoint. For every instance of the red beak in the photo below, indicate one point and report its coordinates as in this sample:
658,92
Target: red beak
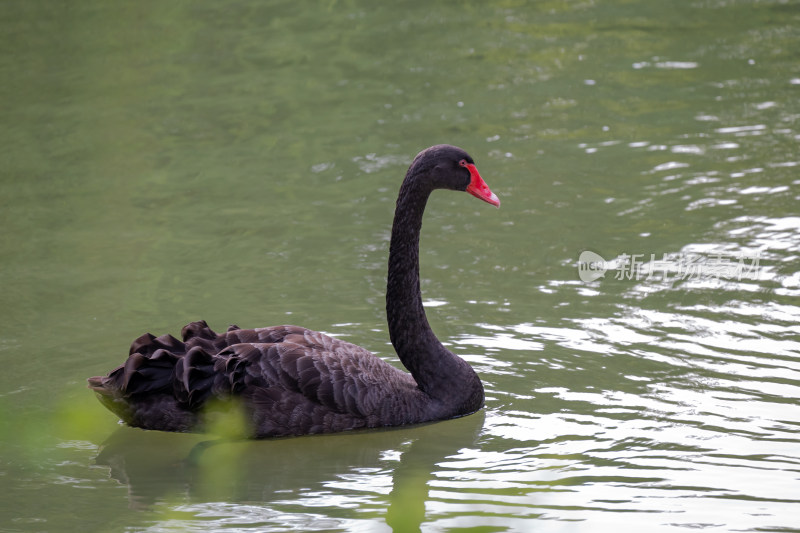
478,188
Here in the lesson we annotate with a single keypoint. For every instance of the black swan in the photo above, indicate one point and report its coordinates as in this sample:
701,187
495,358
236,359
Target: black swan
295,381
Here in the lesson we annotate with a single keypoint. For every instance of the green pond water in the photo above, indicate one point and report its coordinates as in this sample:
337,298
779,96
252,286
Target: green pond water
632,308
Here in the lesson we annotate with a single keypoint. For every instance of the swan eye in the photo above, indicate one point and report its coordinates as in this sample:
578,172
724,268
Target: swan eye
463,163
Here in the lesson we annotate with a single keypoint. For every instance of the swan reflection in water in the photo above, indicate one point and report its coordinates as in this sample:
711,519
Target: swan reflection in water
387,471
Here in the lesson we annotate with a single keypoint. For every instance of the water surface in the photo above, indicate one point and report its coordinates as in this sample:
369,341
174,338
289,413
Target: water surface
238,162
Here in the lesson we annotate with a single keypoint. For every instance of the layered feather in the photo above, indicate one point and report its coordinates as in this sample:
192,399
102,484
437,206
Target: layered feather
293,381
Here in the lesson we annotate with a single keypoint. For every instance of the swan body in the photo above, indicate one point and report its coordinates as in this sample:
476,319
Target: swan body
294,381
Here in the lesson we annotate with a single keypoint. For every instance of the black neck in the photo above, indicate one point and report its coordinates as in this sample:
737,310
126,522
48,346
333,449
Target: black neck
411,335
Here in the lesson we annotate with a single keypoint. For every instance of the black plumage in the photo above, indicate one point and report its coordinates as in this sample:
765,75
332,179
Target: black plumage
295,381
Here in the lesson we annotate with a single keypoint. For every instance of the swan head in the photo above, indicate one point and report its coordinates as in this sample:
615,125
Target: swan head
449,167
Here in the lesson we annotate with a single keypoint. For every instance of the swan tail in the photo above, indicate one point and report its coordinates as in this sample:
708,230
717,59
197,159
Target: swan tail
158,389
